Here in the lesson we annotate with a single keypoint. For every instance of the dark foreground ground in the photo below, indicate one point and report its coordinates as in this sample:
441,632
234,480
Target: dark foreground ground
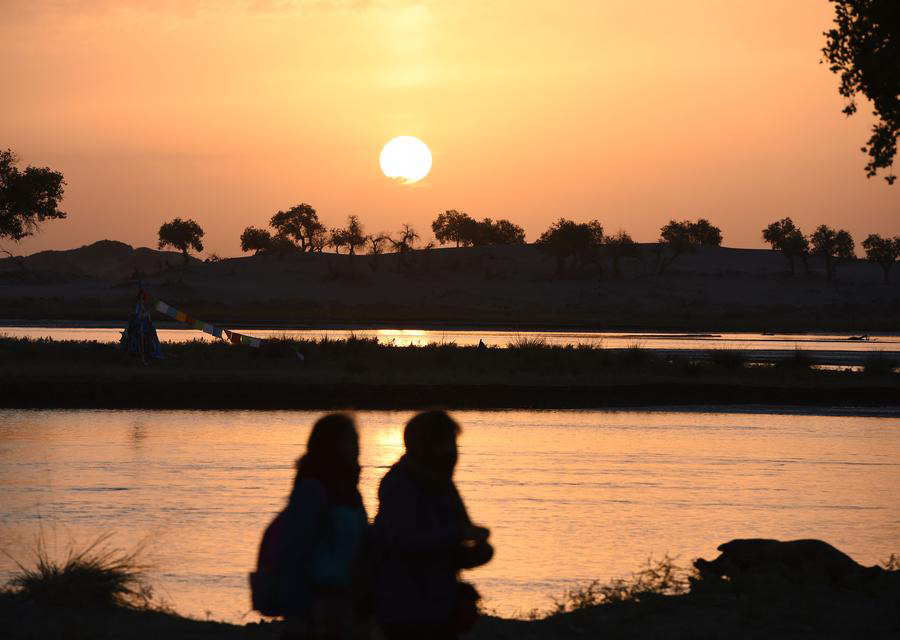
817,612
363,374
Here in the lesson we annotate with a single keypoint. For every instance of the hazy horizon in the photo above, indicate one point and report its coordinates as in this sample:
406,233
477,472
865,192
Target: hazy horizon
226,112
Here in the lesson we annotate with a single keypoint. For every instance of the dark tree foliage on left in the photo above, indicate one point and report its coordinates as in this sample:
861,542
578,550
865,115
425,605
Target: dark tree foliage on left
27,198
864,48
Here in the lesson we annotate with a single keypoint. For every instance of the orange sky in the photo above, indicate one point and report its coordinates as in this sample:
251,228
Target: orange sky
630,112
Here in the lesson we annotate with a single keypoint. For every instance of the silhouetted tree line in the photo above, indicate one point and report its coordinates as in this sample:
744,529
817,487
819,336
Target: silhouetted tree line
832,246
299,230
31,196
574,245
578,244
465,231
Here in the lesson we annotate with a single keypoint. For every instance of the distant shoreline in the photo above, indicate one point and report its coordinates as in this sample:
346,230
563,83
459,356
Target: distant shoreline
638,331
361,373
243,394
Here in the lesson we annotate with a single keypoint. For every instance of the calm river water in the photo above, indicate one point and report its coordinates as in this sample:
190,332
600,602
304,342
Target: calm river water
500,338
570,495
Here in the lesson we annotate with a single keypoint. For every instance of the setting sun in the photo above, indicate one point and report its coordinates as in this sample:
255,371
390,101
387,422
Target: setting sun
406,159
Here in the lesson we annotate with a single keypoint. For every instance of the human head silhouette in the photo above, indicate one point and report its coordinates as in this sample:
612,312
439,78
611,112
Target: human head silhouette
430,439
332,456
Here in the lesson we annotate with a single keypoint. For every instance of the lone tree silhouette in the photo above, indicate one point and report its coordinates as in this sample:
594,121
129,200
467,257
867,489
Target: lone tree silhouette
182,235
301,225
376,243
619,246
784,236
450,226
489,232
406,239
351,236
882,251
256,240
27,198
833,246
864,48
677,238
566,239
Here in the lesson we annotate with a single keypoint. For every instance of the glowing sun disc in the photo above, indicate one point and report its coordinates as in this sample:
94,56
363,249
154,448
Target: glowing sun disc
405,159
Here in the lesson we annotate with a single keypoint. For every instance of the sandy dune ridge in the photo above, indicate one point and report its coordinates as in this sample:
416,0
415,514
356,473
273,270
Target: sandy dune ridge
512,286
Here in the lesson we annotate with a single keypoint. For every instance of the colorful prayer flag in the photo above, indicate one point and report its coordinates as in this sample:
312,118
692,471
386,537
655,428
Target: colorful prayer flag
230,336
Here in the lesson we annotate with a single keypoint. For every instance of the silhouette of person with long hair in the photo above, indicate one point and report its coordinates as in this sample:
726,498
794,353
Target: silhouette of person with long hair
424,537
326,528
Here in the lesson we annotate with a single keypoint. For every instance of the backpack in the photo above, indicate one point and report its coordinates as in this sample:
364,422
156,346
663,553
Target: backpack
266,580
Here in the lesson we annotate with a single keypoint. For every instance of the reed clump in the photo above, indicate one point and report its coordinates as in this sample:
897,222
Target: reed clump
95,575
529,343
634,356
661,577
798,360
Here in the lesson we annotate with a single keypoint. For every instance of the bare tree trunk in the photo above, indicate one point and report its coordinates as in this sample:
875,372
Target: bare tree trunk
831,267
560,265
790,259
664,264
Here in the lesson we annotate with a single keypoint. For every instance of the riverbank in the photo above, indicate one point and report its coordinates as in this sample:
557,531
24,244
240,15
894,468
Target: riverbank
363,374
788,597
671,617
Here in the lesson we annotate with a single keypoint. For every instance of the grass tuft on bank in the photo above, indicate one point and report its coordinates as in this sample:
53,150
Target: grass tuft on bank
94,575
657,578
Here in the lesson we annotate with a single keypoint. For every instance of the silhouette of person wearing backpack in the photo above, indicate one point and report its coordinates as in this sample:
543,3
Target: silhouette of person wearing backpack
313,557
423,537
